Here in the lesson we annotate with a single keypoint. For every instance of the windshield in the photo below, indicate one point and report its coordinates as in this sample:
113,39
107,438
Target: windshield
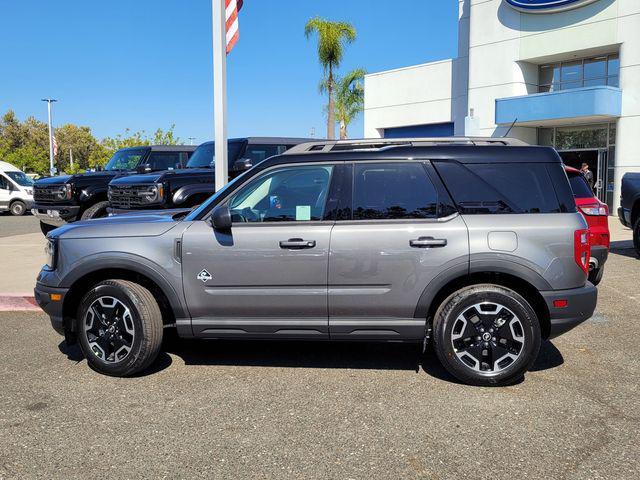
229,186
127,159
203,156
20,178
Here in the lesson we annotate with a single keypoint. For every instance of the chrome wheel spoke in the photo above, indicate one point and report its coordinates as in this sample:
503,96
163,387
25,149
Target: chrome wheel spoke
487,337
109,329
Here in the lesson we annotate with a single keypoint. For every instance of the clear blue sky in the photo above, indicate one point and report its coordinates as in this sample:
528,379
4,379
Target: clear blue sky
146,64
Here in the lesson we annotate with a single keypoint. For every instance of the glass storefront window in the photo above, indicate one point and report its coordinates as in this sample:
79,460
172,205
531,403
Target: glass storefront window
587,136
545,137
587,72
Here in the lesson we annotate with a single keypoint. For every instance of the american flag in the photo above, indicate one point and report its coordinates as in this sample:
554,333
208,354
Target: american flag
232,7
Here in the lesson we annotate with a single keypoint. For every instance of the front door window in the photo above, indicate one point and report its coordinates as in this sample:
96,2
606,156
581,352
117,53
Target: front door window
291,194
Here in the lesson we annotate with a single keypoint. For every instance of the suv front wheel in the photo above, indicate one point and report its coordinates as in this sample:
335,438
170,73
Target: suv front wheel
120,326
486,335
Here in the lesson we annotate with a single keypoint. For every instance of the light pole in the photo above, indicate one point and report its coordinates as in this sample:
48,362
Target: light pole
191,139
51,167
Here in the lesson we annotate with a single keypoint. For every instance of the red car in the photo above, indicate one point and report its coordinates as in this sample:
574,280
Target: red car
596,214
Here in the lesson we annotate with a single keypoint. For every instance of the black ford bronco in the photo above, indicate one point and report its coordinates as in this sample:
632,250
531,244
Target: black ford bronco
68,198
187,187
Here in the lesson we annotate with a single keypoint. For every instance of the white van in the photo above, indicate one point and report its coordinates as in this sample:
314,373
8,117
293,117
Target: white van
16,190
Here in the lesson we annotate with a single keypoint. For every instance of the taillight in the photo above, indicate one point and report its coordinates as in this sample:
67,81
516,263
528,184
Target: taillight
582,249
595,209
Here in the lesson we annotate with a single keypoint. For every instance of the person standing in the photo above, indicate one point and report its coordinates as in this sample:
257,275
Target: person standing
588,174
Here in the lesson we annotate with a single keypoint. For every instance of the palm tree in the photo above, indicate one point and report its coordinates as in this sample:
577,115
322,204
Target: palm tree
332,38
349,98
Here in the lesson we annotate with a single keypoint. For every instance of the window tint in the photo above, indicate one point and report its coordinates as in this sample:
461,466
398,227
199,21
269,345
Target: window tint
164,160
4,184
283,195
500,187
579,185
257,153
393,190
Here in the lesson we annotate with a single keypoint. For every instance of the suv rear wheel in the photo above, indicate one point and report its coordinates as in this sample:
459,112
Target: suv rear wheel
486,335
120,327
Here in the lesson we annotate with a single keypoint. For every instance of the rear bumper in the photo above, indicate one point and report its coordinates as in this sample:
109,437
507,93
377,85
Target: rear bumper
581,303
599,255
56,214
624,215
52,308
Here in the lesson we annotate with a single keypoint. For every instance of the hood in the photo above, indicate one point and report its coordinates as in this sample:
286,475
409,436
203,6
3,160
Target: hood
118,226
78,177
138,179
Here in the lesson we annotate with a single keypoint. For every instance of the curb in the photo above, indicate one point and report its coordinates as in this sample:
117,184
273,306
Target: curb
18,303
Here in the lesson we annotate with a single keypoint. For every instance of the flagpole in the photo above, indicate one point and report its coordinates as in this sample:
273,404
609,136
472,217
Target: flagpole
49,101
220,92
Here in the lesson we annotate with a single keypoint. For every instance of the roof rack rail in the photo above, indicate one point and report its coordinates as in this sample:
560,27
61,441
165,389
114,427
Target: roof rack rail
379,143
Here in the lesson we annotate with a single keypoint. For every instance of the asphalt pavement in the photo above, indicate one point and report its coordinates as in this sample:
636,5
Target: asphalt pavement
303,410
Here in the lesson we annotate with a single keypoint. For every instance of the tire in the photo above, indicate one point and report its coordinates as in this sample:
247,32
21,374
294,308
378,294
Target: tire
595,276
18,208
128,337
97,210
46,228
517,326
636,235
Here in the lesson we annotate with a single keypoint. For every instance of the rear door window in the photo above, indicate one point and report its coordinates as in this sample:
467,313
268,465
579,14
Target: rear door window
385,191
164,160
497,188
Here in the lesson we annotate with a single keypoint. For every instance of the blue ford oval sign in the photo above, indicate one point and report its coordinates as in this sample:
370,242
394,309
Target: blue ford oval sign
547,6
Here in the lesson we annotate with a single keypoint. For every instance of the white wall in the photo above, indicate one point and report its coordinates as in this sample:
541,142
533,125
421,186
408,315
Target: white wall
414,95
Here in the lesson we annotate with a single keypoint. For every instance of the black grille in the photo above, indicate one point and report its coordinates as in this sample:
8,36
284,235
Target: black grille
125,197
43,194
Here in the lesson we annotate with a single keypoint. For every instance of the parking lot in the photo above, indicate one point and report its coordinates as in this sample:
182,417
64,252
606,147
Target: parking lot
301,410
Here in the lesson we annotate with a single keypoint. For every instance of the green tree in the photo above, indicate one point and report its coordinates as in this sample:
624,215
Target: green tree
77,140
332,38
349,99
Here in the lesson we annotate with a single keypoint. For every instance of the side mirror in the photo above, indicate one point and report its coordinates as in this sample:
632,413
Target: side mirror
242,165
221,218
143,168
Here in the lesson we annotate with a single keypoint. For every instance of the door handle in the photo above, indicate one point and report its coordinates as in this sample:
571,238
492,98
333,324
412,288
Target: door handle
428,242
297,243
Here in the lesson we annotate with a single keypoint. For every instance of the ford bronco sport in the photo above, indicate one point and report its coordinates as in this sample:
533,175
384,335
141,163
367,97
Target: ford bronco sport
474,245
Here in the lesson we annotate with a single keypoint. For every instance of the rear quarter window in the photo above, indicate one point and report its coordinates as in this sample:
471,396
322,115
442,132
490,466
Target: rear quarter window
579,185
500,188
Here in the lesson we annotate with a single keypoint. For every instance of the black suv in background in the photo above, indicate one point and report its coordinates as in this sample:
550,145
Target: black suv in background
184,188
629,211
68,198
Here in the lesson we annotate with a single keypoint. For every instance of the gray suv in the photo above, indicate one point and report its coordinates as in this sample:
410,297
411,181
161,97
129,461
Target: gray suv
471,244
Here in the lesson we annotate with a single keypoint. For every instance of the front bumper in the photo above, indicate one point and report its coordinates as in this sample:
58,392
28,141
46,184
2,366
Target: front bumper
52,308
580,305
56,215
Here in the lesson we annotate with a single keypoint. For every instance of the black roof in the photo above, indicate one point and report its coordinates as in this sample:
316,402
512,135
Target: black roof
461,153
268,140
164,148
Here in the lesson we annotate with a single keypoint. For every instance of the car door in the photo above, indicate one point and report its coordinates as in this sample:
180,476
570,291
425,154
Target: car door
401,233
267,276
5,192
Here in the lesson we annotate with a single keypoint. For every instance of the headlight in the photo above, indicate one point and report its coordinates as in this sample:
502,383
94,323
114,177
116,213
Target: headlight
66,192
152,194
50,251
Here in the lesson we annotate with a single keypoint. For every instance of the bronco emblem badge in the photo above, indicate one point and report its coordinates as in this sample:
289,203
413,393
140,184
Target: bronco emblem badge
204,276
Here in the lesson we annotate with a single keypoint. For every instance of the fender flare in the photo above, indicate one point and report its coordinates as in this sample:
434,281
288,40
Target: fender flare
489,263
187,191
133,263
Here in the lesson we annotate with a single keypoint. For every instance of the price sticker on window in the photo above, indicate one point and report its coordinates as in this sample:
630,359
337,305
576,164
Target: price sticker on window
303,212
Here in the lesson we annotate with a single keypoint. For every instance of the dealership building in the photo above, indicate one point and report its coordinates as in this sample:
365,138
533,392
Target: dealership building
564,73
